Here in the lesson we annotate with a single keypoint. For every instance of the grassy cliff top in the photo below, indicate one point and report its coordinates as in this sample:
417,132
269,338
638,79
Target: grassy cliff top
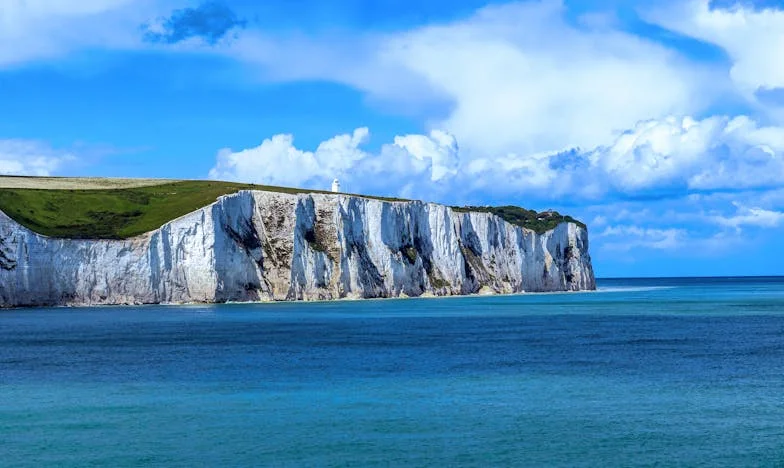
536,221
75,183
92,211
96,208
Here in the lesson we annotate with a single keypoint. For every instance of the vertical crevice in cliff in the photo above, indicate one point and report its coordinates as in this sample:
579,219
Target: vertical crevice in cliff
157,286
405,262
9,249
471,250
423,241
237,249
365,275
311,265
7,253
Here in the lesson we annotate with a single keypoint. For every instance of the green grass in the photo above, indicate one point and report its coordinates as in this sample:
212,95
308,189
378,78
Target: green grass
530,219
114,213
126,212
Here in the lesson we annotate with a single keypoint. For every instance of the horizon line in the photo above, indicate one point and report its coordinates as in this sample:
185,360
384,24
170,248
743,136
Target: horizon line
689,277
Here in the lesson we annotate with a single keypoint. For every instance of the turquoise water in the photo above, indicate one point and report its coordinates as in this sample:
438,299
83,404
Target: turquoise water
644,372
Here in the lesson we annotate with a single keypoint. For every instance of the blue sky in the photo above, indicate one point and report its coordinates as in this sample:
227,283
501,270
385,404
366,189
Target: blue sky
660,124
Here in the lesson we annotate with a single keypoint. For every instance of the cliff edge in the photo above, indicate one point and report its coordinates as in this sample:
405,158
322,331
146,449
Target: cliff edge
268,246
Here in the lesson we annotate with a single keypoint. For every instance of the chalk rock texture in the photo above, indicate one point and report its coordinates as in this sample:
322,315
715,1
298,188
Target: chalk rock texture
267,246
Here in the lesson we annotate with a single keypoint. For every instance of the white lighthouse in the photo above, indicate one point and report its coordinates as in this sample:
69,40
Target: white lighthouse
336,186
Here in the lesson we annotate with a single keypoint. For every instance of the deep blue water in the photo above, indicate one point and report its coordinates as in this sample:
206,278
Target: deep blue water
644,372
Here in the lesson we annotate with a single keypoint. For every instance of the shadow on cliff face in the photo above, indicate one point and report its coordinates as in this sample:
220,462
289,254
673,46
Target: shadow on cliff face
356,249
8,251
157,285
423,243
471,248
237,250
577,267
397,233
313,253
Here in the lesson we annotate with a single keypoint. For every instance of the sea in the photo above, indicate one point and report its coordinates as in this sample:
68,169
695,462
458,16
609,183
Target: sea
642,372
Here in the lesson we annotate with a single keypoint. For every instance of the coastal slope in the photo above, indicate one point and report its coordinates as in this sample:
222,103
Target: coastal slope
269,246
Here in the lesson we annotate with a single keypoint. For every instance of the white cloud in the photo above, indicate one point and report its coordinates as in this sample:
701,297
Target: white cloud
514,173
277,162
44,29
746,216
539,104
672,155
524,80
413,160
29,157
690,237
714,153
753,38
654,152
695,225
518,77
624,238
440,148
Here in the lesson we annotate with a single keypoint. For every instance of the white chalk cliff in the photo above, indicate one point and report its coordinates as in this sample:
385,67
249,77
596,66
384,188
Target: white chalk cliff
265,246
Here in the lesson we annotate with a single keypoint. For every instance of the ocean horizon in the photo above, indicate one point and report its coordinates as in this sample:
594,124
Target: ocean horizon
644,371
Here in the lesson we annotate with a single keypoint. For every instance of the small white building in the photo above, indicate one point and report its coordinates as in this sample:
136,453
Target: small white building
336,186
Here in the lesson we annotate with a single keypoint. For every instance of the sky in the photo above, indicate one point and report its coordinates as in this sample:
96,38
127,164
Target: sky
659,124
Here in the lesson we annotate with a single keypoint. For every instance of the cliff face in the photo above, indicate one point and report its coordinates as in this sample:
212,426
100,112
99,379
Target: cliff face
260,246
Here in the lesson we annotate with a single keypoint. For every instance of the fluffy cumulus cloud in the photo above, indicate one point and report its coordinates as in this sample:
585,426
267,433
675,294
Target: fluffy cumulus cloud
27,157
408,165
655,158
674,155
438,151
753,38
712,154
276,161
548,86
517,78
560,108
